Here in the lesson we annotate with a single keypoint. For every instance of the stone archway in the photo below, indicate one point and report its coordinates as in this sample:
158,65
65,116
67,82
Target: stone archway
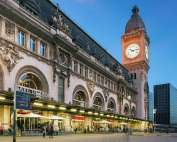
111,105
33,80
80,96
98,101
1,79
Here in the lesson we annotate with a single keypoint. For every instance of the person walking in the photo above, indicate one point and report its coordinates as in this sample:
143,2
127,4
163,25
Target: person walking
44,131
52,131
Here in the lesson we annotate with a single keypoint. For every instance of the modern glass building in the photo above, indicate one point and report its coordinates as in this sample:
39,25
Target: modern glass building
173,105
150,106
165,98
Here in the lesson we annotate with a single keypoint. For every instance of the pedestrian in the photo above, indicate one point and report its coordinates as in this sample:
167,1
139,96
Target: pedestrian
75,130
52,131
44,131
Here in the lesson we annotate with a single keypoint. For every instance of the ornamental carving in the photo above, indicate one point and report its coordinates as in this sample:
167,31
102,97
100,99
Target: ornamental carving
59,23
91,87
9,55
106,93
63,58
9,28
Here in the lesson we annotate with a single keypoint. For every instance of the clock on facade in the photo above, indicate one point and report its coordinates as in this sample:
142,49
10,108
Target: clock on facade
146,52
132,51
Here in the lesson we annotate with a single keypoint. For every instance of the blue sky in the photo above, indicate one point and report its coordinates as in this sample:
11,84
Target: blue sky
104,20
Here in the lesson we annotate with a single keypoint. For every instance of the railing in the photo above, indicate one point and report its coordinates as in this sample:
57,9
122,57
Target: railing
36,93
111,110
97,107
79,103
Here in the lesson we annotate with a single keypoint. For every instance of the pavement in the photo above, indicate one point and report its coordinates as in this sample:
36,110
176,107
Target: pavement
98,138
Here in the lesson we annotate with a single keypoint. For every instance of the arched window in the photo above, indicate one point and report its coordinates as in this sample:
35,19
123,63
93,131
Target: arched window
98,102
80,99
80,96
1,79
30,80
126,109
111,105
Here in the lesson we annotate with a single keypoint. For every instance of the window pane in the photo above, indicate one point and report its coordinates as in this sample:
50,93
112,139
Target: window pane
75,66
81,70
61,90
42,48
86,72
21,38
32,44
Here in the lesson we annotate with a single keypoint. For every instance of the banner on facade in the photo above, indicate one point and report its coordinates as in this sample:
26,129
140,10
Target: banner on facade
23,101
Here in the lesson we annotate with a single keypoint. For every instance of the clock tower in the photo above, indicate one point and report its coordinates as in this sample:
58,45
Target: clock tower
135,57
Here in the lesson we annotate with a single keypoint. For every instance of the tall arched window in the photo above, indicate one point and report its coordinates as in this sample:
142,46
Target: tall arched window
111,105
80,96
79,99
98,102
30,80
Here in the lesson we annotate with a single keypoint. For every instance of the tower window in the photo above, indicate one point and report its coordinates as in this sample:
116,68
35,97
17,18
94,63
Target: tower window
133,75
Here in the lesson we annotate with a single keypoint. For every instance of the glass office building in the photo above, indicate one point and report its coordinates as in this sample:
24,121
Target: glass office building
150,106
173,105
165,102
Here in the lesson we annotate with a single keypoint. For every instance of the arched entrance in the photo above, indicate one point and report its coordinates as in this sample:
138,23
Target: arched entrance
80,96
98,102
111,105
31,83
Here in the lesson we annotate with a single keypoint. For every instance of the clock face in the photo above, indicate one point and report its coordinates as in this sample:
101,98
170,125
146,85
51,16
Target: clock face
132,51
146,52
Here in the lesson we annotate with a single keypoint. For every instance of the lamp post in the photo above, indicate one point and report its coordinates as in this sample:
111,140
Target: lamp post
130,114
154,113
14,113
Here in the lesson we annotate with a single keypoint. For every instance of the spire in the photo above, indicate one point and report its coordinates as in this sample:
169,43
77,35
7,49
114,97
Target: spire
135,10
135,22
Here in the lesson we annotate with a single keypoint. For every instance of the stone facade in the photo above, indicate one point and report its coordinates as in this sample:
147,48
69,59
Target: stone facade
56,68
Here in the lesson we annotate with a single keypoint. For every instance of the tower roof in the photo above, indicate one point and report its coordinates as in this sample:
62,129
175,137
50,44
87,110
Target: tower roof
135,22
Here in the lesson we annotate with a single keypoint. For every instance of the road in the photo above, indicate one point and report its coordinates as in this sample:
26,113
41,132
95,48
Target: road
96,138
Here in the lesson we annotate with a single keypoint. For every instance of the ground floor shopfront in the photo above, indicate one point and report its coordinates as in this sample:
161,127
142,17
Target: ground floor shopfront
66,119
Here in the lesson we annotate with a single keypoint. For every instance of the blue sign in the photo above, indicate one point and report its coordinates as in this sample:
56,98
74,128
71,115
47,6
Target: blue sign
23,100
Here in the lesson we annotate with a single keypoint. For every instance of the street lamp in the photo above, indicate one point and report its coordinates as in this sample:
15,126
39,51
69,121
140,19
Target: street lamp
14,112
130,114
154,113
